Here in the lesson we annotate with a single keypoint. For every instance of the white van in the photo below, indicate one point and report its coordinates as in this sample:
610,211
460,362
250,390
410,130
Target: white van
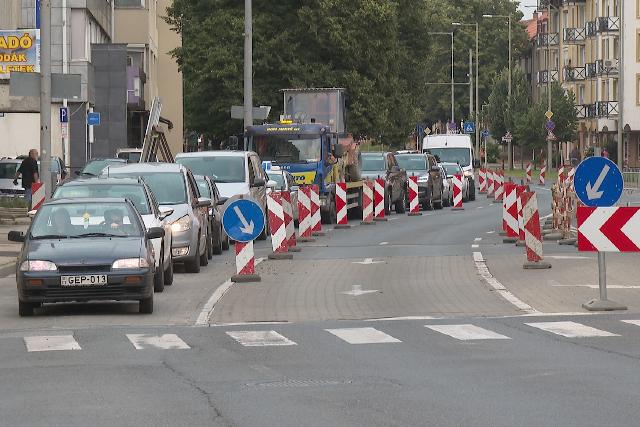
453,148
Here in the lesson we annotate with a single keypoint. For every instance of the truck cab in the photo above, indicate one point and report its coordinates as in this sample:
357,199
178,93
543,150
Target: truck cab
453,148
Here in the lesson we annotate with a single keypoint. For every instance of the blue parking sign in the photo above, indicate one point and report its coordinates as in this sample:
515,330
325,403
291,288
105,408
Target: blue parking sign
64,115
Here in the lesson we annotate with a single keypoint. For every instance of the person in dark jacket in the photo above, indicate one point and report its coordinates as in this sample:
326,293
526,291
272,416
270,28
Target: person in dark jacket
29,171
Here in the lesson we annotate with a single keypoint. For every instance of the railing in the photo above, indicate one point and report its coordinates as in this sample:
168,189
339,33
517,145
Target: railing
547,39
136,79
590,70
590,28
608,23
631,178
586,111
543,76
606,108
575,34
606,67
572,74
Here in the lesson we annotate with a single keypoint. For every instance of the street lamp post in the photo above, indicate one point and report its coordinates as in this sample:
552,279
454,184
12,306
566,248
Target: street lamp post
509,147
621,88
477,112
452,72
248,64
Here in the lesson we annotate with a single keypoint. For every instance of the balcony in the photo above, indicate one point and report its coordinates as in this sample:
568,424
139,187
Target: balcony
543,76
586,111
606,67
590,70
606,108
575,35
590,29
574,74
547,39
608,23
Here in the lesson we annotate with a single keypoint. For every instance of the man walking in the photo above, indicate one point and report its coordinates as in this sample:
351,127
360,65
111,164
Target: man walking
29,171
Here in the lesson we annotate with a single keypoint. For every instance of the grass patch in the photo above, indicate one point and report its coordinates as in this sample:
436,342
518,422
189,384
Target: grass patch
13,202
520,173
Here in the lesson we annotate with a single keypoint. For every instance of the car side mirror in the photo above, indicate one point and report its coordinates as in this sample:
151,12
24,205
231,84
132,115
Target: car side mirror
203,202
258,182
165,212
222,201
77,173
155,233
476,164
272,184
16,236
32,213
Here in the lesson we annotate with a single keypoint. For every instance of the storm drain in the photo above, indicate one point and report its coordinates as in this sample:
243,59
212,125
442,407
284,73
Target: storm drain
299,383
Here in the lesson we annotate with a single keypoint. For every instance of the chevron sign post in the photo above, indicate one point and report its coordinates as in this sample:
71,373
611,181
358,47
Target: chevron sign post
457,192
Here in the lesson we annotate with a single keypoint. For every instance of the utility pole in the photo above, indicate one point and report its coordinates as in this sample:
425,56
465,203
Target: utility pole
477,98
45,96
549,142
248,64
470,84
509,146
453,100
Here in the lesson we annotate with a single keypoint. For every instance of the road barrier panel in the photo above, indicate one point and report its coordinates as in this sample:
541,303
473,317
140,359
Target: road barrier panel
482,180
378,200
304,214
288,222
510,213
490,183
414,203
341,206
37,196
457,192
561,175
498,183
533,237
245,264
529,171
367,203
278,227
521,236
316,219
543,171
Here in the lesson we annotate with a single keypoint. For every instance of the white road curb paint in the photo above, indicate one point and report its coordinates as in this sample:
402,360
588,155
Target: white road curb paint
161,342
363,336
356,291
567,257
632,322
51,343
367,261
260,338
207,310
477,239
467,332
249,324
382,319
484,272
383,243
571,329
475,246
480,207
559,285
490,232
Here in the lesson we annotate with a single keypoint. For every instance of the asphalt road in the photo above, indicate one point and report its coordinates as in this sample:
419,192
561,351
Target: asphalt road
392,324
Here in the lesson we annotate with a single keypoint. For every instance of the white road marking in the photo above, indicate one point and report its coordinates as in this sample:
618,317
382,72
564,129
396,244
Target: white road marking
479,207
484,272
51,343
207,310
392,219
161,342
383,243
632,322
467,332
362,336
368,261
248,324
260,338
559,285
567,257
543,188
381,319
475,246
571,329
477,239
490,232
489,205
356,291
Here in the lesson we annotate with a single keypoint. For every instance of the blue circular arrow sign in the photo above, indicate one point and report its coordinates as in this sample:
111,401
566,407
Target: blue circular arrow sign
243,220
598,182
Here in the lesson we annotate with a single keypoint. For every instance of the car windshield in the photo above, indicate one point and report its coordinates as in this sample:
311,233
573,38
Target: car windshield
452,169
203,186
278,177
84,220
412,162
372,163
133,192
8,170
218,168
168,187
288,148
462,156
95,167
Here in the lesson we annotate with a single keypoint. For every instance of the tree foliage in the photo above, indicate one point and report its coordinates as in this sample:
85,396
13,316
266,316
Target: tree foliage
379,50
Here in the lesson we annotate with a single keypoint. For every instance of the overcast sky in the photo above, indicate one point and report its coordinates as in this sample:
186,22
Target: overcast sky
528,11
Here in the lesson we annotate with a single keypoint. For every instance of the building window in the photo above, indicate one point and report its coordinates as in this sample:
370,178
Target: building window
580,94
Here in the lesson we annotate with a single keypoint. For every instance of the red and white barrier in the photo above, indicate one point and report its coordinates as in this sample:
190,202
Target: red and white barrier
612,229
278,227
510,213
457,192
533,234
414,202
529,171
341,205
490,183
304,214
37,195
561,175
543,171
245,263
569,181
288,221
367,203
482,180
378,200
519,190
499,186
316,219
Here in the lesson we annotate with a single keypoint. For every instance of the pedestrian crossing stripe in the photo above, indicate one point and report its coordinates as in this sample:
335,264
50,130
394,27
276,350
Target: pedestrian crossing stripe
363,336
160,342
51,343
571,329
260,338
467,332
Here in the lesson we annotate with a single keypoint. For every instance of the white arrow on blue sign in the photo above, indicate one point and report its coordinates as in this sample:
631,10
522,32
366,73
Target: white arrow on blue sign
243,220
598,182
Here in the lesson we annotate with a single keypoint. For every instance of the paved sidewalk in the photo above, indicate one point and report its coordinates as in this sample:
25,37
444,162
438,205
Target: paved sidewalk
9,250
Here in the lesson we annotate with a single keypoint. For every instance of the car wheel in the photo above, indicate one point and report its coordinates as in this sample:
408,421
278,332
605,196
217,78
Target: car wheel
472,197
217,242
387,202
401,206
439,204
168,274
193,265
446,202
158,278
204,257
25,308
225,243
209,245
146,305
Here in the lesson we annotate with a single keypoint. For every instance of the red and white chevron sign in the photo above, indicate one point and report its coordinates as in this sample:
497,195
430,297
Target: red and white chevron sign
611,229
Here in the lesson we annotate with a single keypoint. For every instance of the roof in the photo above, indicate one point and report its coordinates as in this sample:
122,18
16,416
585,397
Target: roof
102,181
531,25
86,200
146,168
216,153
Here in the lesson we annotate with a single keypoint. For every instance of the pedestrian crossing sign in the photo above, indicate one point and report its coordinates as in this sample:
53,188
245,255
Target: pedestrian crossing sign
469,127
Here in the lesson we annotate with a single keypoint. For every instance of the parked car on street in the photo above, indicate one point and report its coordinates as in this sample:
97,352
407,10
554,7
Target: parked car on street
447,187
94,167
234,172
455,169
145,203
384,165
216,233
284,181
175,188
84,250
430,185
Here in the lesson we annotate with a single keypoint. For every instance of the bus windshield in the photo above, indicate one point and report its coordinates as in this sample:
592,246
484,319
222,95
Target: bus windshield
287,148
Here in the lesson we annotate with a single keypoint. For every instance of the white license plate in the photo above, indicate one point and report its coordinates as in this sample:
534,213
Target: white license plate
85,280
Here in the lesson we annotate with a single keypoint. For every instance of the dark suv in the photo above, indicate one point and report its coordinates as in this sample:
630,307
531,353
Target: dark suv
385,166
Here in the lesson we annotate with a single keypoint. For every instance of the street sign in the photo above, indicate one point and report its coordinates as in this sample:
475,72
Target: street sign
507,137
469,127
551,136
452,126
548,114
93,119
608,229
64,115
598,182
550,125
485,133
243,220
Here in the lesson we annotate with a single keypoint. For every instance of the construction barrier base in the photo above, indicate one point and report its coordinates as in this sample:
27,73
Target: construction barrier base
510,240
521,243
414,214
553,236
280,255
295,249
457,209
502,233
306,239
341,226
318,233
540,265
603,305
245,278
497,201
570,241
380,219
367,223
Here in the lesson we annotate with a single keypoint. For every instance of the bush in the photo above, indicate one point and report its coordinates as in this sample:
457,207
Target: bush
493,153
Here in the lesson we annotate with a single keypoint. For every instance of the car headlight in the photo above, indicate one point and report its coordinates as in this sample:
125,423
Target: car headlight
468,173
130,263
423,178
37,265
182,224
